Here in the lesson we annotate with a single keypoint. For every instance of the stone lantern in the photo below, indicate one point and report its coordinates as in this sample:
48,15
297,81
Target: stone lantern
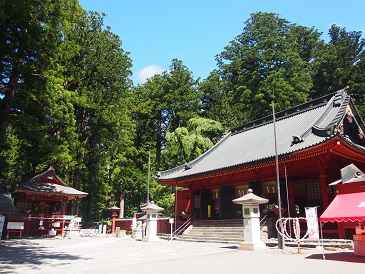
251,214
114,212
152,211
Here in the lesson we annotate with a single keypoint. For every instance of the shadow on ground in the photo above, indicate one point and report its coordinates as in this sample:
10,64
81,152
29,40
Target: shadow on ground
339,256
14,253
230,247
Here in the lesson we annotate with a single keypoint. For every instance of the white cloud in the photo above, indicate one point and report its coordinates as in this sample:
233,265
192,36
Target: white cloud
148,72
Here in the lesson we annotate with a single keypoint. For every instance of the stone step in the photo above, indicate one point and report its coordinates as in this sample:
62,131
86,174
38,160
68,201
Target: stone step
220,227
218,230
193,232
211,239
213,234
206,240
230,232
205,224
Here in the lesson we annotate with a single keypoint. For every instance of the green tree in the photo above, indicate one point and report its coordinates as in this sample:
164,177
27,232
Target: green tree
217,101
96,71
30,33
337,61
357,84
165,102
32,98
187,143
269,61
162,104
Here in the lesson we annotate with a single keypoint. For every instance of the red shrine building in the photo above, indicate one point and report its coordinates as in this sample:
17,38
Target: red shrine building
45,206
314,141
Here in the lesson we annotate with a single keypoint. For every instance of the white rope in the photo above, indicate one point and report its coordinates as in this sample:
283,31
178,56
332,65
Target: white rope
296,227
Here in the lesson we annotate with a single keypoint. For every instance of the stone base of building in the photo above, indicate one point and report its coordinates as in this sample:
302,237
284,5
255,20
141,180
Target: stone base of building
252,246
150,239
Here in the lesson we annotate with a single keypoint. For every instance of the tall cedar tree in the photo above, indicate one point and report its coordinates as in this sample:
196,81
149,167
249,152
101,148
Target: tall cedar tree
32,101
96,72
339,62
268,62
166,102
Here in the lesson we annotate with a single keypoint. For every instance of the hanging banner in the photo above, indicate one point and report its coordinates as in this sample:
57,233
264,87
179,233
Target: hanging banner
312,223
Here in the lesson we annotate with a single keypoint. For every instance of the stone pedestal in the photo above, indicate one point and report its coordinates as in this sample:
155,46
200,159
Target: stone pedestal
252,239
251,214
152,211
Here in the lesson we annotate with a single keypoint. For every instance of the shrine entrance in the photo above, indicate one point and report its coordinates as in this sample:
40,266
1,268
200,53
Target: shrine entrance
216,204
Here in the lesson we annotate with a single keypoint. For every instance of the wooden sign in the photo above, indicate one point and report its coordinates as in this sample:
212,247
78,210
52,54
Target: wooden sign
15,225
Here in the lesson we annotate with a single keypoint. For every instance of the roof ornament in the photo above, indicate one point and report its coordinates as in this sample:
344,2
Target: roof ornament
296,140
338,129
187,167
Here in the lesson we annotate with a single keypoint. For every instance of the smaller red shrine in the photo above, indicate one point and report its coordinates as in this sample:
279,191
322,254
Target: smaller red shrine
46,205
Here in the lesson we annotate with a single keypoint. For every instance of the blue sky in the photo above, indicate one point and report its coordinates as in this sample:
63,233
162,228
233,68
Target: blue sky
194,31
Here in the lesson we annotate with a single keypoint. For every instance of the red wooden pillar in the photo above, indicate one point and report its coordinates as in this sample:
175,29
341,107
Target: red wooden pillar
63,226
323,164
113,223
114,211
191,201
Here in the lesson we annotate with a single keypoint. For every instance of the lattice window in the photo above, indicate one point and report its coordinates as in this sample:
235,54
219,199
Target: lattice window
216,204
314,191
196,201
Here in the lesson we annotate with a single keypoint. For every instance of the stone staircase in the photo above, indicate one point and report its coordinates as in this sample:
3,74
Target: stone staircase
232,232
227,231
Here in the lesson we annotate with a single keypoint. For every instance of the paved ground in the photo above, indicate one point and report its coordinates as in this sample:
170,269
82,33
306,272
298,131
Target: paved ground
124,255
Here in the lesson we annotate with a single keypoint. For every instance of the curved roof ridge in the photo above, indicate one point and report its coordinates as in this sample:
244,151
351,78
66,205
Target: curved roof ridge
351,143
283,114
49,174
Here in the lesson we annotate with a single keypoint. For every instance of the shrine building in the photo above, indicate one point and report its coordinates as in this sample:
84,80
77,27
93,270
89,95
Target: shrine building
313,141
45,206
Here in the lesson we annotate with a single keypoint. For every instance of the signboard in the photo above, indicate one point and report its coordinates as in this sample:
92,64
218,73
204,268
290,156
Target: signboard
88,232
68,217
15,225
312,223
117,231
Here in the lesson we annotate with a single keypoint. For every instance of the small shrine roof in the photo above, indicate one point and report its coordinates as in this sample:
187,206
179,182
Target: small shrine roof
49,176
50,188
49,183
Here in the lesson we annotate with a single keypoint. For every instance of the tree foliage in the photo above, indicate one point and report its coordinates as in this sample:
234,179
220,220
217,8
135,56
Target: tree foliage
96,73
269,61
32,99
166,102
338,60
187,143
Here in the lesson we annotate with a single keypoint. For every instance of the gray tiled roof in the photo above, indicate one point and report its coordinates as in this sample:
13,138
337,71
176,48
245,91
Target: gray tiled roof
313,122
48,176
48,182
51,189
